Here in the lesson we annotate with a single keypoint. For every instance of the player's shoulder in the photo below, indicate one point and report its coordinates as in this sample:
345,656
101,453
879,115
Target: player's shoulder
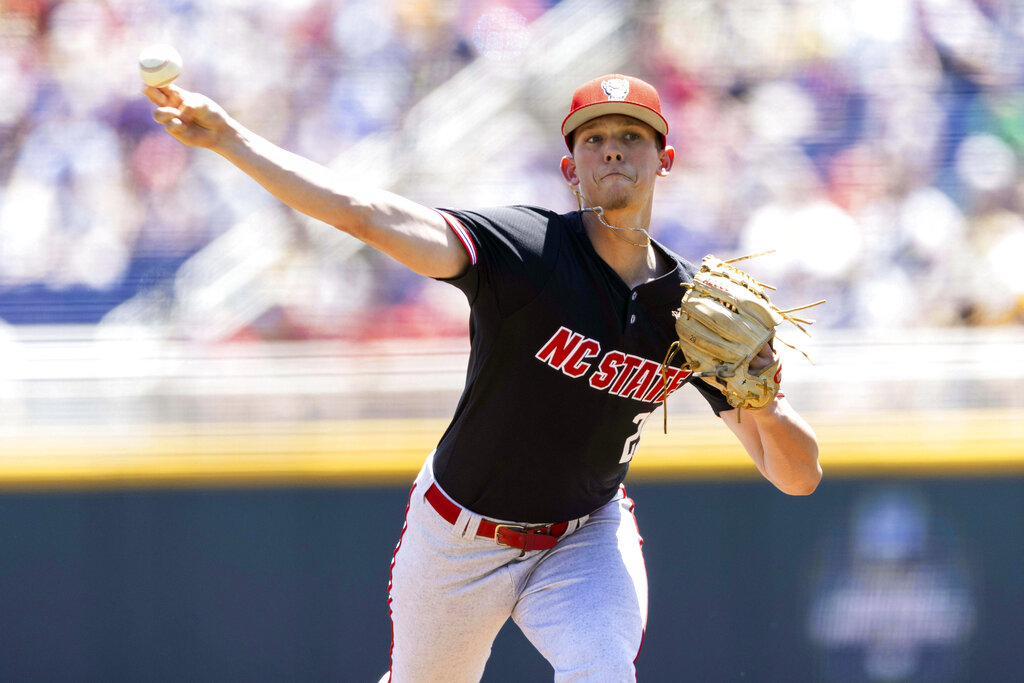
517,214
515,224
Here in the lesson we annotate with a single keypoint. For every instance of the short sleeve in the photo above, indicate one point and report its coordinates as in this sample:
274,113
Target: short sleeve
512,251
715,398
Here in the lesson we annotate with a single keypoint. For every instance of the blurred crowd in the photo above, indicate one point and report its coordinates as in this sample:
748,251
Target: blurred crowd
874,144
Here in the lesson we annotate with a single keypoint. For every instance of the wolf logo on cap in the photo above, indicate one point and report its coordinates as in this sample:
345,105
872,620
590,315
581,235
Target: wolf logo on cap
617,89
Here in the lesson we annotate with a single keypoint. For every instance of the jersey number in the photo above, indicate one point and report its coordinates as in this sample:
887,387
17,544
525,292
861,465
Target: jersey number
629,448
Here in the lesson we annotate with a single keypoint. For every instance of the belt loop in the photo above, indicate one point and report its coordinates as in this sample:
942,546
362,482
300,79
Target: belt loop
466,525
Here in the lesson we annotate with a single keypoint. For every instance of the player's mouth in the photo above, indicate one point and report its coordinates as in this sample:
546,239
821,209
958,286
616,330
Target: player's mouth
616,174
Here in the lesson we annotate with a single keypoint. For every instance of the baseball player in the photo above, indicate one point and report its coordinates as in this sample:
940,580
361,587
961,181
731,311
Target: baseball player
520,510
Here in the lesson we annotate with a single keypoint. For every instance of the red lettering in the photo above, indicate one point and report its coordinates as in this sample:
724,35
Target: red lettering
558,348
675,378
677,381
574,367
656,391
629,365
618,373
636,387
607,370
778,374
712,283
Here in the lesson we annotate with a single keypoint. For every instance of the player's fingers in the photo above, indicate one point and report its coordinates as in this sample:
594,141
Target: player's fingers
180,130
167,96
198,109
175,91
165,115
155,95
175,96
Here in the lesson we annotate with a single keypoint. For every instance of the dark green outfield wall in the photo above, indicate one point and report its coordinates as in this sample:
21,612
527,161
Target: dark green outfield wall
923,578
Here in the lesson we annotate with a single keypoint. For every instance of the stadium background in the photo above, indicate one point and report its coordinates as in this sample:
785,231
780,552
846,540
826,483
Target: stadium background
210,408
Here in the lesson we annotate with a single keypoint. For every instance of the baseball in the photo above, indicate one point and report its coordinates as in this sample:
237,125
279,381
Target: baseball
159,65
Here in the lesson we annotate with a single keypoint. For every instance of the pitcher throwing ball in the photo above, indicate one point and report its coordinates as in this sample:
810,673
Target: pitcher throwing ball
520,511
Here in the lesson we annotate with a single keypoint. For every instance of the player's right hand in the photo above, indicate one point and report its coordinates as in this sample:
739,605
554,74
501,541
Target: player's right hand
191,118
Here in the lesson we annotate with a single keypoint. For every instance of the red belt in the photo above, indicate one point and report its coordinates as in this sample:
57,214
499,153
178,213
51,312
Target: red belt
523,537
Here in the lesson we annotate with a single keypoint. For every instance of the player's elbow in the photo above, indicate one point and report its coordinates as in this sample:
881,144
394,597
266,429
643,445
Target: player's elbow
803,485
804,488
798,474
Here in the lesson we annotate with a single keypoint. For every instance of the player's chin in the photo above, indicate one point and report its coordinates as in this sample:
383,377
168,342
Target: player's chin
613,199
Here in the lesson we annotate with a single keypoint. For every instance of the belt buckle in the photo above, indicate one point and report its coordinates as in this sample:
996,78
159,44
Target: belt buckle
527,529
511,527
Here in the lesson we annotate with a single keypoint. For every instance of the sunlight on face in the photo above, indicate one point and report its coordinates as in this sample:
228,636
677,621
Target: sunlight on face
617,159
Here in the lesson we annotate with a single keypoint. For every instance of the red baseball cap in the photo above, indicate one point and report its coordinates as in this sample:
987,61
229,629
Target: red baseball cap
614,94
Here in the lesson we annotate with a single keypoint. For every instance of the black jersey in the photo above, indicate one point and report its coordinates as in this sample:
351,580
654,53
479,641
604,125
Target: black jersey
564,367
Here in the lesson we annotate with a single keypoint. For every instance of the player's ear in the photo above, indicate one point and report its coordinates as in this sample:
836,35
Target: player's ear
668,157
568,167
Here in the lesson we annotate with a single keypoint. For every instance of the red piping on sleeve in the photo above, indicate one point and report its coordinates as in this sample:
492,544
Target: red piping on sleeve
461,232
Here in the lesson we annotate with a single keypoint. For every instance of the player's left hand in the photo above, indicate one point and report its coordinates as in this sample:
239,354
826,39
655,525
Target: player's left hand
764,358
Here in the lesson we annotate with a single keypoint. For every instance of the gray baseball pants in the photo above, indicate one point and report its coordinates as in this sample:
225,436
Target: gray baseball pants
582,604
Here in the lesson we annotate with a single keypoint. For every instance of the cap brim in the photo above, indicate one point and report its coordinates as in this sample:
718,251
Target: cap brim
593,111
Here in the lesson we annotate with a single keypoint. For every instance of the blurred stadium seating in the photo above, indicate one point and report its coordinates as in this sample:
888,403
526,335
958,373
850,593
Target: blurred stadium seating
875,145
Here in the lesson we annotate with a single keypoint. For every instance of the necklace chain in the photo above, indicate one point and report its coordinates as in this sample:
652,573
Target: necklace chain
599,212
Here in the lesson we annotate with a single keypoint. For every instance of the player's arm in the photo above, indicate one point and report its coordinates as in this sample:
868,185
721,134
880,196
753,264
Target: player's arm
409,232
781,444
778,440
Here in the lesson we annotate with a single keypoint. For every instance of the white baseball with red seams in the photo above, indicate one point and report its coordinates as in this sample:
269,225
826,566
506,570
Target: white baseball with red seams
159,65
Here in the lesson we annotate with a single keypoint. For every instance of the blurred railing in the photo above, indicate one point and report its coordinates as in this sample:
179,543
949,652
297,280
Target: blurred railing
131,375
132,407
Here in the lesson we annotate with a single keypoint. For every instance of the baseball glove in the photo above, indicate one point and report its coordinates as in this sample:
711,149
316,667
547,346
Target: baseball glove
724,319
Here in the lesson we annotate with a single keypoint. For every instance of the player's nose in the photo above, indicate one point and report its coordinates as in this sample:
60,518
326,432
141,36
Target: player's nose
612,155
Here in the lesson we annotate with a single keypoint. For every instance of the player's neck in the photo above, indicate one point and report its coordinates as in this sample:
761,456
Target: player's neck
628,252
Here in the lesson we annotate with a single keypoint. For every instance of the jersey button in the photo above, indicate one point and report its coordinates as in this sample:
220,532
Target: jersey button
634,296
632,319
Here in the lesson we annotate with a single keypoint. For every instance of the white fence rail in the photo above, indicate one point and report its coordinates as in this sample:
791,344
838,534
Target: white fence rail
53,376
